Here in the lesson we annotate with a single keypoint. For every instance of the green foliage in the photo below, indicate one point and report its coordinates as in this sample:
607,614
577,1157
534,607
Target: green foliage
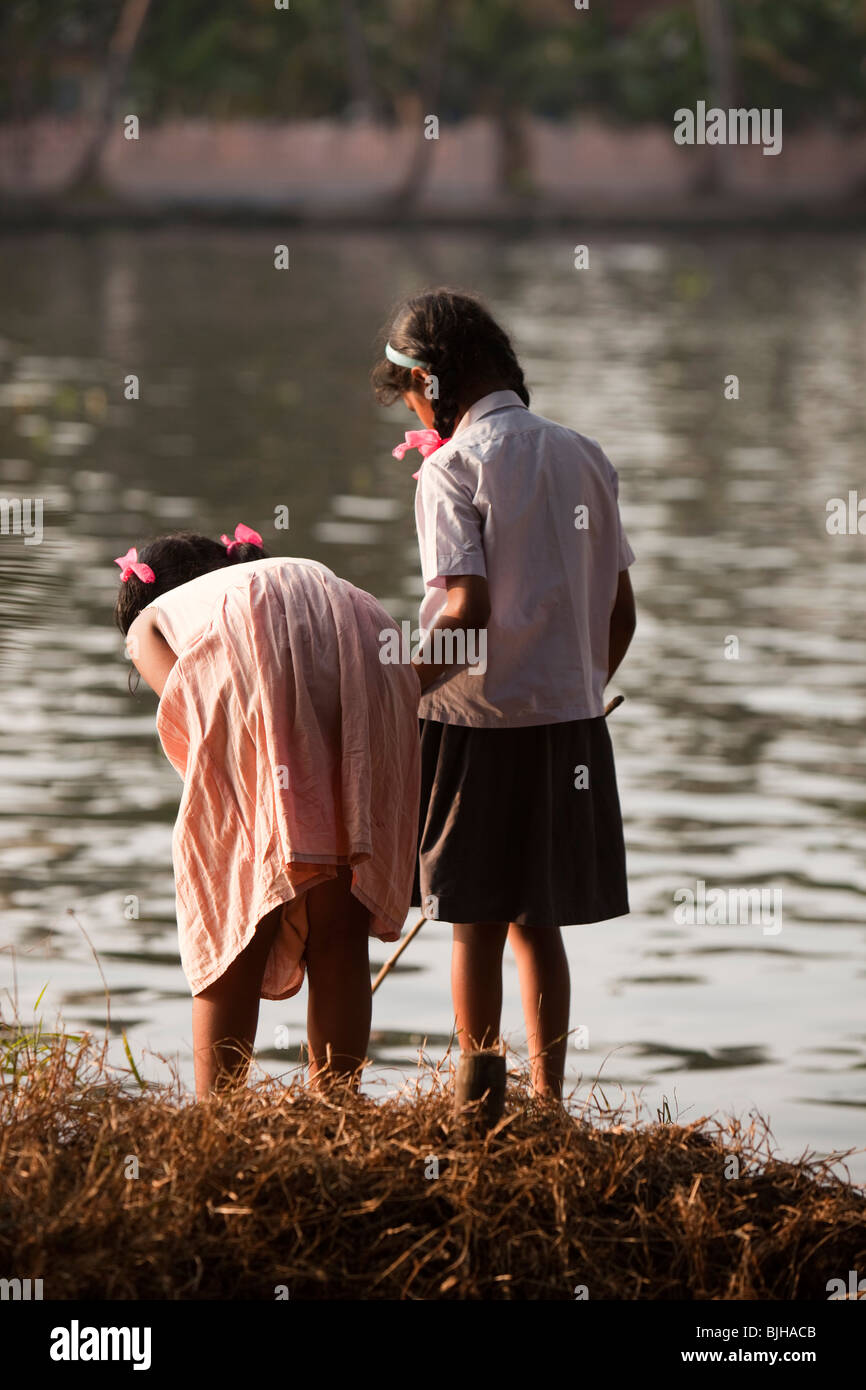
806,56
656,67
25,1050
233,58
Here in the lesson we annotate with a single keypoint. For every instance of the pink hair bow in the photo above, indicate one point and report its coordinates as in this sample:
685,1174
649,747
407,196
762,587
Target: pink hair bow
425,441
130,564
244,535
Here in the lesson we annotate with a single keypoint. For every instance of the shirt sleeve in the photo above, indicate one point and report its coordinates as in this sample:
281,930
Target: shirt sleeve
626,554
162,617
450,527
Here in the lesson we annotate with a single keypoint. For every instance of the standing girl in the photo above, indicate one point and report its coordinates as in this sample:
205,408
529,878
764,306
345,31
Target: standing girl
519,530
298,750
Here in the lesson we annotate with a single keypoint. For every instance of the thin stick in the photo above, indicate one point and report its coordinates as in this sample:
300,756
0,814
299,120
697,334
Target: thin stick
614,704
397,954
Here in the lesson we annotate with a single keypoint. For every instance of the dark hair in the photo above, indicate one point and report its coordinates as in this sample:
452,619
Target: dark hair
461,343
175,560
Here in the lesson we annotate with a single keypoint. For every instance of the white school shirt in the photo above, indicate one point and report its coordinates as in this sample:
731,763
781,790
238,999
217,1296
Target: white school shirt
533,506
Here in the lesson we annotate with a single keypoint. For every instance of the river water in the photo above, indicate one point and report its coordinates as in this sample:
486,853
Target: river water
740,747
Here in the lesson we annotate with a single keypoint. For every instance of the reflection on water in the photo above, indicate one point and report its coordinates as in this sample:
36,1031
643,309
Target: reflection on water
743,772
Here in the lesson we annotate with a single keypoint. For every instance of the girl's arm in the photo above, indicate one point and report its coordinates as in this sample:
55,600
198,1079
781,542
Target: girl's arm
623,621
467,607
149,652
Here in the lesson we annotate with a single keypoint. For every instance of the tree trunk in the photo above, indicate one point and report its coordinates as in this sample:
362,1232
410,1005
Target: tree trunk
21,91
418,170
365,106
717,36
87,175
514,165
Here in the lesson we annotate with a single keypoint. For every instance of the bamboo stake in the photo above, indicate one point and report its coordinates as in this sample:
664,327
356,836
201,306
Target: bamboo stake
614,704
480,1077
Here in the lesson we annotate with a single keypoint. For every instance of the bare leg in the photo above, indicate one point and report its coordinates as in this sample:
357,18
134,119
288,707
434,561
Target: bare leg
545,989
476,982
339,1006
224,1016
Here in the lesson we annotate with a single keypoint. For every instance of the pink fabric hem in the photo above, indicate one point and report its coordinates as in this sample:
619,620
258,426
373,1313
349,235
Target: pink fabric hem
390,933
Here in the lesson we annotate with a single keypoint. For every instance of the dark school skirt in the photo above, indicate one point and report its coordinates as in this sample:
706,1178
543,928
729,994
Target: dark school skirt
506,835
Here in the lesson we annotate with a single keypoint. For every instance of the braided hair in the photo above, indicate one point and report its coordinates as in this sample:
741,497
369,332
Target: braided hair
175,560
462,345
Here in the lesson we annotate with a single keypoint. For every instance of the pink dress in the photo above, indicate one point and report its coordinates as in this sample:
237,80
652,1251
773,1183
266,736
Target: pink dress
298,750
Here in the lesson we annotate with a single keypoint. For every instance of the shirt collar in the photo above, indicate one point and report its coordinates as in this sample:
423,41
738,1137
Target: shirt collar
495,401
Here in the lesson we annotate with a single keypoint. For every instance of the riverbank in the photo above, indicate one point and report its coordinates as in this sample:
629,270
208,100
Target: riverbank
705,214
279,1192
582,173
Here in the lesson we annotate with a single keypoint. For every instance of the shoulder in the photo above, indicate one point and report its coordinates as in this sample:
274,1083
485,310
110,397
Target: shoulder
492,431
453,464
554,430
182,613
580,445
463,457
497,431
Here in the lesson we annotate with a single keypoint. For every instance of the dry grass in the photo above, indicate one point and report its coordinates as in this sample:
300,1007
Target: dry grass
327,1194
